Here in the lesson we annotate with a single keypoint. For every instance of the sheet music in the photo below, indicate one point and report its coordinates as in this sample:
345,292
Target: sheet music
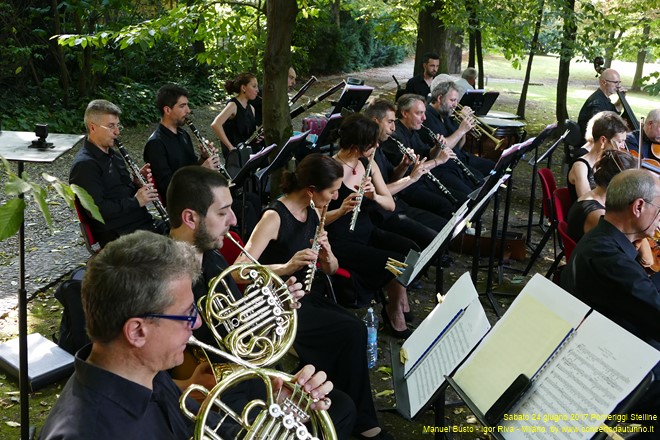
446,354
264,151
479,204
521,342
583,383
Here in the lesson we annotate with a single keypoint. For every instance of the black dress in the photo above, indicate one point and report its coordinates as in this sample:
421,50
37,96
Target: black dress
590,176
329,337
577,215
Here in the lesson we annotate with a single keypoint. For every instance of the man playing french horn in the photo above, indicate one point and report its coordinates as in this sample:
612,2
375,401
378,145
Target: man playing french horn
200,204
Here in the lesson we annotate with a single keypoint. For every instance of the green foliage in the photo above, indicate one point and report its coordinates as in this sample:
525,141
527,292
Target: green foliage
651,84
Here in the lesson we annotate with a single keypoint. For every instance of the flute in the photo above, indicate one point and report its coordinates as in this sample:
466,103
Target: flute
430,176
316,246
356,210
135,171
206,148
459,162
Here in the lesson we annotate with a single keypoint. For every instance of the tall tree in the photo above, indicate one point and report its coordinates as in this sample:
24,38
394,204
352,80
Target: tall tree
569,30
434,36
532,49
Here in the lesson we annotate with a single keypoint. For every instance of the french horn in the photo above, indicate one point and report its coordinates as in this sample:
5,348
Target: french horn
276,416
259,327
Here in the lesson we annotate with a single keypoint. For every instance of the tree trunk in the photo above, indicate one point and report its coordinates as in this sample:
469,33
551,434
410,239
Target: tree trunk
281,19
336,10
641,58
472,29
433,36
528,73
566,54
480,58
58,54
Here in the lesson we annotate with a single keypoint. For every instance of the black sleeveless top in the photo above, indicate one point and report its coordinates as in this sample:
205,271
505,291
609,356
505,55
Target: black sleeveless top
577,216
242,125
293,236
590,176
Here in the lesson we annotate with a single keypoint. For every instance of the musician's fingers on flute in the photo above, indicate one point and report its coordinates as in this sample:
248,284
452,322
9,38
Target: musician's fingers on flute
349,203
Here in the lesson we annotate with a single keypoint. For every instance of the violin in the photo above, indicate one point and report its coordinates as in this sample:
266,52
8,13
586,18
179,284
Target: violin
649,253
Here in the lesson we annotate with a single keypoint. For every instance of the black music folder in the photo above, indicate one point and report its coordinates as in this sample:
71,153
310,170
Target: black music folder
47,363
479,101
352,98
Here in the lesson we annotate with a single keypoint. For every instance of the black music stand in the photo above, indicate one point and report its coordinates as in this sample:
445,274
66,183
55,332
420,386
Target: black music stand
352,99
283,156
479,101
15,147
330,128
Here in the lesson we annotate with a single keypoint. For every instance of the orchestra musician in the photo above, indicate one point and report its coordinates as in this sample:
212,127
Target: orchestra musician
439,112
599,101
329,337
169,147
200,209
603,271
608,132
421,84
366,250
650,136
101,171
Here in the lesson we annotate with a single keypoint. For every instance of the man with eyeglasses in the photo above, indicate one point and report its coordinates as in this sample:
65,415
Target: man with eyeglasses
650,136
603,271
101,171
608,84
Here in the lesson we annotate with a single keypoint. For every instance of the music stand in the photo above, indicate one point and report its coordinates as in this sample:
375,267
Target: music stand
15,147
331,126
479,101
352,98
283,156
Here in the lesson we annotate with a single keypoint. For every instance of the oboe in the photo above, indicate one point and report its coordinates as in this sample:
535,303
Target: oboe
430,176
316,246
135,171
356,210
207,150
459,162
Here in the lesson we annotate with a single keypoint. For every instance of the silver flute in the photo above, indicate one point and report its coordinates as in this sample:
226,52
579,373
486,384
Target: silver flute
356,210
135,171
316,246
428,175
207,149
469,174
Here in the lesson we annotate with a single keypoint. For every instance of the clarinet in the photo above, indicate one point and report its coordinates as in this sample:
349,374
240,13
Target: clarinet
135,171
207,149
459,162
430,176
311,270
360,191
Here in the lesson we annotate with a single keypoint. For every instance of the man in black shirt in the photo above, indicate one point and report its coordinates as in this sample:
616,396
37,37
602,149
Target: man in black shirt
599,101
169,147
421,84
603,270
650,137
101,171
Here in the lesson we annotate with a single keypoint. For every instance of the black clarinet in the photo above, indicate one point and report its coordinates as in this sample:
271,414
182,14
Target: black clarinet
208,150
469,174
135,171
430,176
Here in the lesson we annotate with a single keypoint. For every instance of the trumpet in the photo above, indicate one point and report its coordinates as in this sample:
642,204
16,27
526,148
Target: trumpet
135,171
275,416
316,246
356,210
480,127
443,189
469,174
261,325
207,149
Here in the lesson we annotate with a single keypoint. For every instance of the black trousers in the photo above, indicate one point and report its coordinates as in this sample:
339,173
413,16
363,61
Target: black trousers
425,195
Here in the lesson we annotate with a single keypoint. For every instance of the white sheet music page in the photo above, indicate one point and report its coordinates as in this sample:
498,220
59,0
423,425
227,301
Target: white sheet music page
442,341
574,394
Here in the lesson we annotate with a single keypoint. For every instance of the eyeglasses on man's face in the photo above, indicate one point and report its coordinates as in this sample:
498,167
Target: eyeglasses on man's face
618,83
112,127
191,318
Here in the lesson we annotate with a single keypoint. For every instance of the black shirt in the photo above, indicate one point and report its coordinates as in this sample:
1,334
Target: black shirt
96,404
595,103
239,128
166,152
418,85
409,138
106,179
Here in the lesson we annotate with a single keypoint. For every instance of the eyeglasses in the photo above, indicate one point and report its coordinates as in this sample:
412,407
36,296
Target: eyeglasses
618,83
111,127
192,318
651,203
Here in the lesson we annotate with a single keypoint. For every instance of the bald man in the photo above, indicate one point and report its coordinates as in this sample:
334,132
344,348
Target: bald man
608,84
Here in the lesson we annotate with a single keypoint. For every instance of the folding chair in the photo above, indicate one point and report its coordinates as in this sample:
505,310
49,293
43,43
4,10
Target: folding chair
91,243
548,186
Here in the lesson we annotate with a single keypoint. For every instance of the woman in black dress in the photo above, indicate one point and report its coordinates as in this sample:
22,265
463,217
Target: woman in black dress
329,337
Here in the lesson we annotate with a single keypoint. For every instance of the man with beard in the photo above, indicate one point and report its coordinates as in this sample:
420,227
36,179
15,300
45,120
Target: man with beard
444,100
421,84
169,147
200,214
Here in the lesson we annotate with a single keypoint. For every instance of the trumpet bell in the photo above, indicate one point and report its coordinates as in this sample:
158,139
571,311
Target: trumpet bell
259,327
288,416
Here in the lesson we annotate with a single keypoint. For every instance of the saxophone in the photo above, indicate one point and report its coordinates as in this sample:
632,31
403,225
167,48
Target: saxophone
135,171
311,270
207,150
356,210
428,175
